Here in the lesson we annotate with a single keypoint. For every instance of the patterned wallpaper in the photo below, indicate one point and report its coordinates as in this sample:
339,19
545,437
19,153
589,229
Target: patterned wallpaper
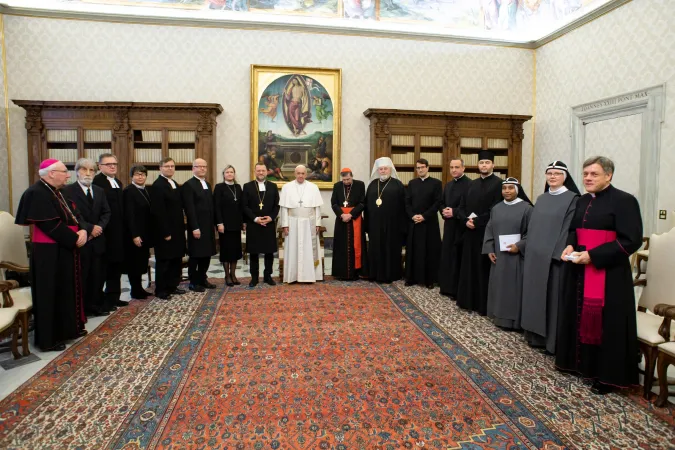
4,180
51,59
629,49
620,138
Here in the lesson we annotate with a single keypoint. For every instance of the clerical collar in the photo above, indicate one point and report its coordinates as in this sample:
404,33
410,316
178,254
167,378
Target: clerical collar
605,189
138,185
560,190
200,179
110,178
229,182
383,179
424,178
261,185
162,175
459,177
513,202
484,177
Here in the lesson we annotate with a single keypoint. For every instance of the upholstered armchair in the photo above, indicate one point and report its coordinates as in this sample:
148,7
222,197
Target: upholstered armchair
658,296
13,256
666,355
640,259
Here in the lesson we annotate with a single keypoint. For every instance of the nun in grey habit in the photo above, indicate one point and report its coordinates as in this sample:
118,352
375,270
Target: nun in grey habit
546,240
504,242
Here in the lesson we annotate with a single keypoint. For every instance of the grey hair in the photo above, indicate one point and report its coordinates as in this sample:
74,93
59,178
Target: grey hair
604,162
46,170
86,163
103,156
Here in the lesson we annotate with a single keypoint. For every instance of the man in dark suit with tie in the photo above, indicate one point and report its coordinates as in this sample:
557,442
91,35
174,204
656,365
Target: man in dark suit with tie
169,230
114,233
201,236
260,201
93,206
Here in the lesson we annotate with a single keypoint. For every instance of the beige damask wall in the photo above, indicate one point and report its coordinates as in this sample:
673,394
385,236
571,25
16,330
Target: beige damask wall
53,59
629,49
4,155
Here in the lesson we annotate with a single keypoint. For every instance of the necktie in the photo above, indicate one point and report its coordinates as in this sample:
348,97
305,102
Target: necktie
90,198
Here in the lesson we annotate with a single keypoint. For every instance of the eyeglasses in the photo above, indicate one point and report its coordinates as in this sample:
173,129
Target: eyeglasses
109,164
169,167
140,174
200,167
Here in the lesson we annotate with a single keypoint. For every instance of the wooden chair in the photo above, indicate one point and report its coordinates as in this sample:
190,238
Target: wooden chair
666,358
13,256
657,296
641,256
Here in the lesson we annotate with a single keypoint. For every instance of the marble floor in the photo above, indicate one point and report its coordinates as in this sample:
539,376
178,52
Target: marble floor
13,373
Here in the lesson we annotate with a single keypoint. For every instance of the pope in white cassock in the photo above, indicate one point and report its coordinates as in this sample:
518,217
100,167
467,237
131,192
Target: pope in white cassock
300,219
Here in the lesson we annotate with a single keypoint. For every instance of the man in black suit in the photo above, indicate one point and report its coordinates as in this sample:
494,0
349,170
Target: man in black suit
260,200
201,240
169,230
91,201
114,232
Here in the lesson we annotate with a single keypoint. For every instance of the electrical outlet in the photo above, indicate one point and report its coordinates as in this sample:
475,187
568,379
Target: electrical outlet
662,214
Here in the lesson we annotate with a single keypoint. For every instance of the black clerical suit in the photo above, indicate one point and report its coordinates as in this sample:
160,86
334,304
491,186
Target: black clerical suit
482,195
114,240
198,206
453,233
260,239
168,221
138,223
94,210
344,237
423,249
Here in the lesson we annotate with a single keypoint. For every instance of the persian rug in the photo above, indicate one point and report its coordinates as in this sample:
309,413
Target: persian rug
326,366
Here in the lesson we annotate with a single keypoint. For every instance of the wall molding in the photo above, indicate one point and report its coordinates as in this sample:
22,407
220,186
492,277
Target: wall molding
650,104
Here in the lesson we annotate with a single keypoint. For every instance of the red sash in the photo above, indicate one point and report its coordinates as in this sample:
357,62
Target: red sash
357,237
590,329
41,238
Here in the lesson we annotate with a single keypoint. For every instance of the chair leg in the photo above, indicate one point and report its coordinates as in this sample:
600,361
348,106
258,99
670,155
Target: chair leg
149,276
15,340
664,361
651,353
24,334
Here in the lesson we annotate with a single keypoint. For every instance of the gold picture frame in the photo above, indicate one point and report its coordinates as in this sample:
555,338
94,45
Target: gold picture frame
296,119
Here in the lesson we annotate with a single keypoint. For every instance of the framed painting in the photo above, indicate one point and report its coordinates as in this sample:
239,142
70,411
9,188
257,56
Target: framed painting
295,119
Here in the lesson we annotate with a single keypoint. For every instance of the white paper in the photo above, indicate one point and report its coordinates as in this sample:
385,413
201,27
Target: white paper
472,216
507,239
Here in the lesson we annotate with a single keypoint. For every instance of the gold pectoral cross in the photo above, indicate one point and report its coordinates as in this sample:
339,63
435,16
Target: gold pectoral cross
261,205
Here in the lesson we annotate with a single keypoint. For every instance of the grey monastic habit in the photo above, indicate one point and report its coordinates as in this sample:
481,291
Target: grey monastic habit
506,276
542,288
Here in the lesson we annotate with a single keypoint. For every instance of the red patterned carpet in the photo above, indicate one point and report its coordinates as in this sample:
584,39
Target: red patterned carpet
331,365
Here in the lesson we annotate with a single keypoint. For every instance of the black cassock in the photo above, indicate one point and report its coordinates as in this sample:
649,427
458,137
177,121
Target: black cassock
474,275
114,232
423,250
260,239
453,233
198,206
138,223
343,234
54,267
386,227
615,360
168,219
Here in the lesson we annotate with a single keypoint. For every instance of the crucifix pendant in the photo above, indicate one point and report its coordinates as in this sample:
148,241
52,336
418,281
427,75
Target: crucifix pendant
261,205
300,202
345,203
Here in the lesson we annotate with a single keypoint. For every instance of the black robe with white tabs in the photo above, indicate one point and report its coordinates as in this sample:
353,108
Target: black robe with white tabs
343,232
615,360
423,248
198,206
260,239
453,232
505,287
54,267
482,195
385,225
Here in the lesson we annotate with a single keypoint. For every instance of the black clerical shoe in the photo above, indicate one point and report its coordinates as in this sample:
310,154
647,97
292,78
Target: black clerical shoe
163,295
82,333
197,288
600,388
56,348
178,291
268,279
140,296
409,283
237,282
119,303
253,283
430,286
208,285
97,313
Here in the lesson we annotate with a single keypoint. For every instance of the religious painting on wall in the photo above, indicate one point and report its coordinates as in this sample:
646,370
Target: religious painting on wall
308,7
295,119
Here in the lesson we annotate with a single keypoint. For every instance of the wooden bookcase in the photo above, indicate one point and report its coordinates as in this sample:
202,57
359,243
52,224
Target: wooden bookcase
405,136
134,132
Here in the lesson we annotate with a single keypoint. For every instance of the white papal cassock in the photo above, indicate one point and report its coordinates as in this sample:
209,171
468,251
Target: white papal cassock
301,213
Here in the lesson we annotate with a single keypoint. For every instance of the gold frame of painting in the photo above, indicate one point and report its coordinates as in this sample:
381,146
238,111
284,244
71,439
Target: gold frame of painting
296,142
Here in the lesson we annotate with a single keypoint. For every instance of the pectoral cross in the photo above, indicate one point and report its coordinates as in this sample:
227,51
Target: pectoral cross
261,205
300,202
345,203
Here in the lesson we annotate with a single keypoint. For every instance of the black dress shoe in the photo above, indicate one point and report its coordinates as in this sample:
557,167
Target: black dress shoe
600,388
119,303
253,283
163,295
208,285
138,296
97,313
82,333
196,288
229,283
430,286
269,281
237,282
409,283
56,348
178,291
